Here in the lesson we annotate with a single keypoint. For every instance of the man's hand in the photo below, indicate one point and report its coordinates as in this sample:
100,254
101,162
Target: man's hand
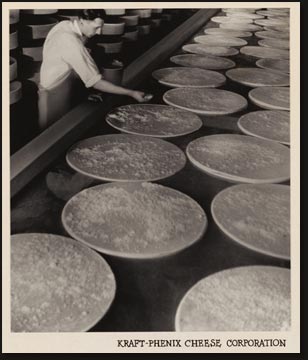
141,96
95,97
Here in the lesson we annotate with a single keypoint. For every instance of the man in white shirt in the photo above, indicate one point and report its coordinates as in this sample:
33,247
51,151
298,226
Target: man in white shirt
64,54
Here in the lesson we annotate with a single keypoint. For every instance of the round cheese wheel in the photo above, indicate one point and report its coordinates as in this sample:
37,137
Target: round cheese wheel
188,77
133,220
13,40
273,12
153,120
35,53
272,98
240,15
120,157
130,20
248,298
241,27
271,34
13,69
113,28
114,11
280,28
239,10
274,65
205,101
203,61
15,92
39,28
111,48
240,158
144,30
225,19
219,31
219,40
202,49
267,124
40,11
143,13
271,22
57,284
131,35
14,16
256,216
275,43
265,53
255,77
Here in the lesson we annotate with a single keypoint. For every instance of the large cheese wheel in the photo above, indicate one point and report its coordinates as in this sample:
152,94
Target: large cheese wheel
275,43
273,98
267,124
144,29
113,28
205,101
131,35
239,10
189,77
15,92
219,31
202,49
271,22
153,120
13,40
265,53
114,11
244,15
255,77
111,48
248,298
241,27
57,284
256,216
274,65
226,19
14,16
13,69
40,11
280,28
203,61
273,12
35,53
38,29
240,158
130,20
120,157
219,40
143,13
271,34
132,220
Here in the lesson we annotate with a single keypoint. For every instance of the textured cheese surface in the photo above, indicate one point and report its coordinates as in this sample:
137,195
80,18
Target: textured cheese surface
265,52
271,97
275,43
233,33
153,120
206,101
220,40
255,77
57,284
126,158
267,124
241,158
271,34
202,49
137,220
274,65
203,61
189,77
256,216
250,298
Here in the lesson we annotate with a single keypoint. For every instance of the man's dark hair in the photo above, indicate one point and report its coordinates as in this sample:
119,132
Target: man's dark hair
91,14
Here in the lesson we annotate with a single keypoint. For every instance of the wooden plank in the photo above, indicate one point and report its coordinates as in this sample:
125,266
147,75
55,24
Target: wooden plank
38,154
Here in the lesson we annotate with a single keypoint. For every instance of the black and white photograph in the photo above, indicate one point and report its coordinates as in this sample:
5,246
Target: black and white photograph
152,177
